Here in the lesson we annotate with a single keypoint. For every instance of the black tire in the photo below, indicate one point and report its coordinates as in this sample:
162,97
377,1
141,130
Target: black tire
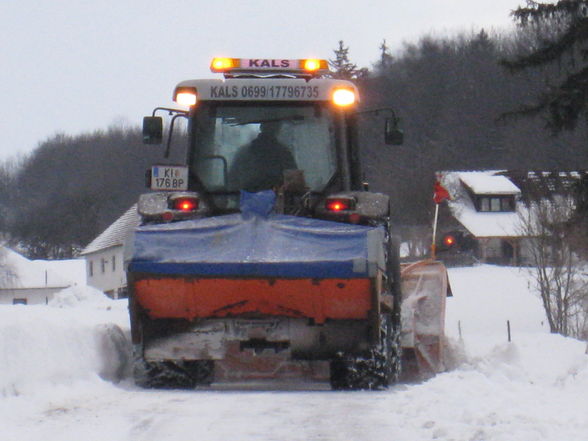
359,372
161,375
395,287
374,369
380,366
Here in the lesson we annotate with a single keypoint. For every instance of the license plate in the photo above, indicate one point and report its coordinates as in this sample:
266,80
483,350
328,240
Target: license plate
169,177
274,329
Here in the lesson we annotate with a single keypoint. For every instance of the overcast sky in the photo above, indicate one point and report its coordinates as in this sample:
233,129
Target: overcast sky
72,66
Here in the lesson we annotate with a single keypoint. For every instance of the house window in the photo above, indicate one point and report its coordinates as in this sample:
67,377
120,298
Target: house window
91,268
496,203
19,301
484,204
113,263
103,265
507,204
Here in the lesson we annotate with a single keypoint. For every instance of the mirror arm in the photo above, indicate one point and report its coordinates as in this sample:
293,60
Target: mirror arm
392,134
183,114
170,111
377,110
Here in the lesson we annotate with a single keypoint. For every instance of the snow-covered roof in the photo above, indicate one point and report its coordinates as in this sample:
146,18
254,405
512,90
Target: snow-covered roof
486,223
488,182
18,272
72,270
116,233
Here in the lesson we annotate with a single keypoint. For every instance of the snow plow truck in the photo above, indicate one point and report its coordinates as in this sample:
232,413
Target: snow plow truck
262,256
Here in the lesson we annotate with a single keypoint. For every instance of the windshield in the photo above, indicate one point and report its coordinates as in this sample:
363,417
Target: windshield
258,147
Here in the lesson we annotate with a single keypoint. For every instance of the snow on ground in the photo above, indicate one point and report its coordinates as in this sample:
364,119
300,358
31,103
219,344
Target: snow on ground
60,365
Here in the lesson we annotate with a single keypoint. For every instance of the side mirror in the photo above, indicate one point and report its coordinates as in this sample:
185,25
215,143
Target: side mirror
392,134
152,130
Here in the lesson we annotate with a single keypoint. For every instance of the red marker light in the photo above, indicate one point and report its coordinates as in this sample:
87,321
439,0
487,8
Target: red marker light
185,204
339,204
449,240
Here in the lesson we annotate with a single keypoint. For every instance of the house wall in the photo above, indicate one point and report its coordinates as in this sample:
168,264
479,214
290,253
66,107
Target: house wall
492,249
32,296
105,271
505,251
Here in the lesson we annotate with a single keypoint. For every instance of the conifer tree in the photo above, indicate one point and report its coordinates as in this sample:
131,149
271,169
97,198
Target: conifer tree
561,35
386,58
342,67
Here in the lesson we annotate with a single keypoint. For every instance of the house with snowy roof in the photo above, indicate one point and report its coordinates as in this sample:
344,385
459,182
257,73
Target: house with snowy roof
487,210
104,256
28,282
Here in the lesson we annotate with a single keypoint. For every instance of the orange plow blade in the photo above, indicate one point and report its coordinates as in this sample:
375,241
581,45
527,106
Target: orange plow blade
425,286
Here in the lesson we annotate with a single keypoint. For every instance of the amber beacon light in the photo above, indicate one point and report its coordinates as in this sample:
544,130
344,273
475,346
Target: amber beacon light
314,65
223,64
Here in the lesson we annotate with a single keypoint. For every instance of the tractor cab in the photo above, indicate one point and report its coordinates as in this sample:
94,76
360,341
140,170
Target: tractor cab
268,125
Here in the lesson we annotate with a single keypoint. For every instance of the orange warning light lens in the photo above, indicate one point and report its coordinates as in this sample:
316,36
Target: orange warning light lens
221,64
312,65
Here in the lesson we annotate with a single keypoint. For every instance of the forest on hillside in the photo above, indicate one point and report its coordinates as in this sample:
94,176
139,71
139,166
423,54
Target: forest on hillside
455,100
452,95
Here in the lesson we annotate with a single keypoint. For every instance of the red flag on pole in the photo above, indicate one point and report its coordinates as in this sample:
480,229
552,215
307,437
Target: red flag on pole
440,193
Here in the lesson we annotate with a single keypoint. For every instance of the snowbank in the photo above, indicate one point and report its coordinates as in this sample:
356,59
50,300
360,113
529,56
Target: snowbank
79,336
54,359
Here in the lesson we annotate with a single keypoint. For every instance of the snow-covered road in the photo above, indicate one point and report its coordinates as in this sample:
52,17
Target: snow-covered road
53,361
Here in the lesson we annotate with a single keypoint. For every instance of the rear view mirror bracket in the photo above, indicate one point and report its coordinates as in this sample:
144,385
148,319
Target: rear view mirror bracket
392,134
153,127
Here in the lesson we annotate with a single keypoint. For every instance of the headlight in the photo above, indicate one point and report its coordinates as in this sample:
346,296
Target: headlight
186,96
343,97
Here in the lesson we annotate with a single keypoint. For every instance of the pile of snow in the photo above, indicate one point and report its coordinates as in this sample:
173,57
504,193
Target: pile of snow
81,335
487,300
83,296
59,365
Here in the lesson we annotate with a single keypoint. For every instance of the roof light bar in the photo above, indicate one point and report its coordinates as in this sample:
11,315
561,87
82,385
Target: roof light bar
307,66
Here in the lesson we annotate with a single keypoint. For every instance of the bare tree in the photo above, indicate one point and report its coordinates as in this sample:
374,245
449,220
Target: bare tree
559,274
